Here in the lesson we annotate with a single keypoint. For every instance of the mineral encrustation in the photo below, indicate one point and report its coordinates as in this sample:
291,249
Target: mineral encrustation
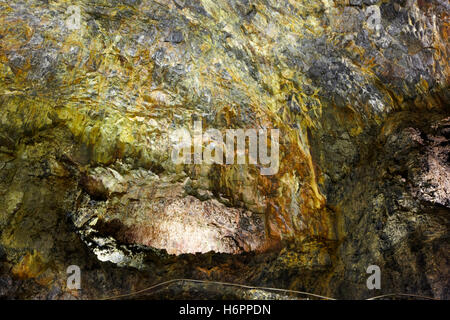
90,91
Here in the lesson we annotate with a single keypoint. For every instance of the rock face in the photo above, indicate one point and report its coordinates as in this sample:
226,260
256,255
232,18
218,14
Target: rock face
91,92
159,214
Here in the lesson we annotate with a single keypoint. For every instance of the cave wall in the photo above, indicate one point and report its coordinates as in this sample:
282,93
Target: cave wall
86,114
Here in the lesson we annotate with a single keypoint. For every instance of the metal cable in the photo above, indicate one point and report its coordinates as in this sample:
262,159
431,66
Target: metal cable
256,287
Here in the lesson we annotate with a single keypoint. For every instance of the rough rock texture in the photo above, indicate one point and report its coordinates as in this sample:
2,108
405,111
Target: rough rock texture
86,176
159,214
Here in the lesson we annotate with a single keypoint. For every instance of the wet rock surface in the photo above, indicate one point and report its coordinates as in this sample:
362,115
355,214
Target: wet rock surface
358,90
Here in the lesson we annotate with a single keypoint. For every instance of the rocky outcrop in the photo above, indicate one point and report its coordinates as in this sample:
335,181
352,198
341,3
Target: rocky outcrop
90,94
